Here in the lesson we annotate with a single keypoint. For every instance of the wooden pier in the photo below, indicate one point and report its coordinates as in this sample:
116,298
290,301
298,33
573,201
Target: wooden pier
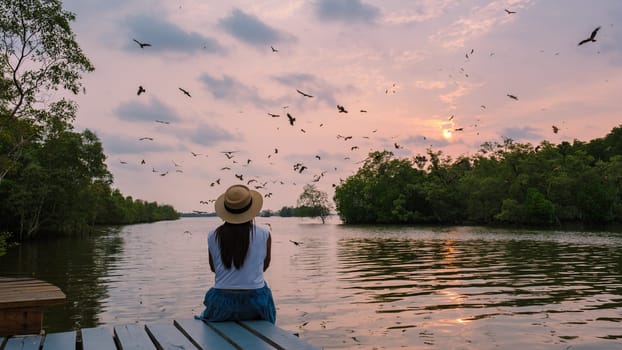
186,334
22,302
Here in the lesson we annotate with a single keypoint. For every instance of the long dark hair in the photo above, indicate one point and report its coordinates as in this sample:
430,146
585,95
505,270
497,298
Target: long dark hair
233,240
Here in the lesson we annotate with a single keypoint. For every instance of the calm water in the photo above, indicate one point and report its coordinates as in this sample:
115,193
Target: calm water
355,287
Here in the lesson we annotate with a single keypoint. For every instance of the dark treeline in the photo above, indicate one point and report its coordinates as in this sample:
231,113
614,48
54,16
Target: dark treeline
504,183
60,184
52,179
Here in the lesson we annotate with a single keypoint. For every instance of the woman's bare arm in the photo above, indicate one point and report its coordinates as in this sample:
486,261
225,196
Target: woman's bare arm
266,261
211,262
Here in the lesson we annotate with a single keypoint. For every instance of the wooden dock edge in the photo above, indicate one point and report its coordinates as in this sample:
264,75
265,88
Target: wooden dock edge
178,333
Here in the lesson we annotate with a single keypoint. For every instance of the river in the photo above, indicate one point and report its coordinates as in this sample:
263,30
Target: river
354,287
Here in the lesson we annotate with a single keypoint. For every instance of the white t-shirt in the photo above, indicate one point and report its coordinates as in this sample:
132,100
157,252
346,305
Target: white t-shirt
250,276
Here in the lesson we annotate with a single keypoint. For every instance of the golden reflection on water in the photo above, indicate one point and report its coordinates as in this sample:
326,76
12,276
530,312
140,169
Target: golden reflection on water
357,287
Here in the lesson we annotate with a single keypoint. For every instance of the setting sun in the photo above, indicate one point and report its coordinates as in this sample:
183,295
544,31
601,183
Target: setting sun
447,134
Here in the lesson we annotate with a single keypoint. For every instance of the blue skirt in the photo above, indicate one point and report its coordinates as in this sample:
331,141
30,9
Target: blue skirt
222,305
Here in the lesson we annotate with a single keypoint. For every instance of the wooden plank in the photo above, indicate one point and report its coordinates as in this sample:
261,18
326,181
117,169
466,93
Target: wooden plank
167,337
201,335
276,336
27,292
99,338
29,342
240,336
132,337
60,341
19,321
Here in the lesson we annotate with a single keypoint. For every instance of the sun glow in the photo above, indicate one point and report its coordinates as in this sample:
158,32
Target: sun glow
447,134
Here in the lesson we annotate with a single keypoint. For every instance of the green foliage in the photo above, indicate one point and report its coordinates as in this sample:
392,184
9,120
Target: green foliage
4,238
287,212
504,182
313,203
52,179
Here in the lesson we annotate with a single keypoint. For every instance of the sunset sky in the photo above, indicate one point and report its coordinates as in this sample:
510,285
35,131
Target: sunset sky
401,68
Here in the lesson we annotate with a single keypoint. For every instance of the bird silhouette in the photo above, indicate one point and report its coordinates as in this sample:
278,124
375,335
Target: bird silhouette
592,37
195,154
274,115
273,49
185,92
512,97
162,122
240,176
341,109
291,119
304,94
146,138
555,129
142,45
295,242
141,89
228,154
509,12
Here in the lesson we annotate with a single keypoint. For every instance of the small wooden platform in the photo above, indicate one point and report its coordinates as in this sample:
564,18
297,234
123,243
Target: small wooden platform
187,334
22,301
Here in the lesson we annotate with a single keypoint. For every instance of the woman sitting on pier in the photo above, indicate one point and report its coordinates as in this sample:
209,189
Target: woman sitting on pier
239,253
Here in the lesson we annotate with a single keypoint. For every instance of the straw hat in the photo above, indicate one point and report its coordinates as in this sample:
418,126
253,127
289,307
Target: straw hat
238,204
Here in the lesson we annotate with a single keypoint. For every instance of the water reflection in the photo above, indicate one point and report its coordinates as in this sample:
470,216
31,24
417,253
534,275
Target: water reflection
77,265
350,287
446,284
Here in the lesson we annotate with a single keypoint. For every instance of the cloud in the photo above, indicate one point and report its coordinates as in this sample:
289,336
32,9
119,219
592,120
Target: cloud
123,144
205,135
145,112
346,11
250,29
166,36
419,12
425,141
229,88
524,133
310,84
477,23
430,84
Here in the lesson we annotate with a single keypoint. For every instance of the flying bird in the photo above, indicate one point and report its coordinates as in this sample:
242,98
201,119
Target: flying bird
304,94
228,154
141,89
142,45
592,37
555,129
185,92
341,109
512,97
296,243
273,49
274,115
240,176
146,138
509,12
162,122
291,119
